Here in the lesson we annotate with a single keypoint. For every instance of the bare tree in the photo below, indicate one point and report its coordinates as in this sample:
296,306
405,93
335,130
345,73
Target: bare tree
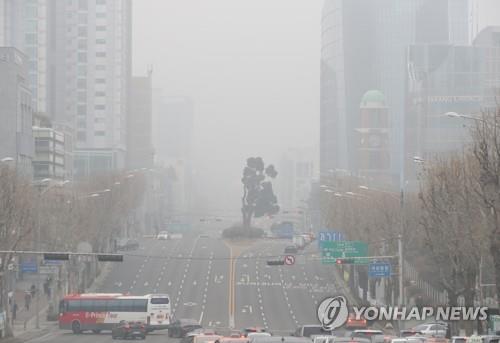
486,151
451,222
16,224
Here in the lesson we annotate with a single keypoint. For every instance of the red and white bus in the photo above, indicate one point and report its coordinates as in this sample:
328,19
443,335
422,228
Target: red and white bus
102,311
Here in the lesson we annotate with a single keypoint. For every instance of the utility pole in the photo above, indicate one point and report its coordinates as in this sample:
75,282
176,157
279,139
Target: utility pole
38,248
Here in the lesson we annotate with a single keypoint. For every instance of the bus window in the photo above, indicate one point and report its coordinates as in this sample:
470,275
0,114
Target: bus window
73,305
113,305
158,301
100,305
87,305
62,306
140,305
126,305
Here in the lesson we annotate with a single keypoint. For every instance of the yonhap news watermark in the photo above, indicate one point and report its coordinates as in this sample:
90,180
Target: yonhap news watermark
334,311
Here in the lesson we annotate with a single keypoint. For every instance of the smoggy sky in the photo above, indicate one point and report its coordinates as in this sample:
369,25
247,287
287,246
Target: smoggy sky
252,68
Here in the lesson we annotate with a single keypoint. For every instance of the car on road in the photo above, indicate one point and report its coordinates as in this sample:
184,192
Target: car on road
411,339
162,235
281,339
310,330
351,340
200,338
353,322
291,249
180,327
127,244
433,330
125,330
232,340
375,336
251,336
323,339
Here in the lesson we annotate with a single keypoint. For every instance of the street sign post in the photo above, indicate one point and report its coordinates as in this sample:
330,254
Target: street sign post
379,270
289,260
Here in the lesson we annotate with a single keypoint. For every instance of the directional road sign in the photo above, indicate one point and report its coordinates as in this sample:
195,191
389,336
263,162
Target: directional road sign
330,236
379,269
29,267
289,260
331,250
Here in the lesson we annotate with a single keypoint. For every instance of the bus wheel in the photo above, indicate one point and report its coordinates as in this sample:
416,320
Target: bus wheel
75,326
96,331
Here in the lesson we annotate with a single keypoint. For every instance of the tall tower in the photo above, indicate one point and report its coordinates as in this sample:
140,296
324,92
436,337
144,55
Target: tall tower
93,67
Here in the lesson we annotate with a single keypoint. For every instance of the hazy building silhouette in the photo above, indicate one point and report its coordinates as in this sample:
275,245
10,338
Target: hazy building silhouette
448,78
364,47
16,110
139,133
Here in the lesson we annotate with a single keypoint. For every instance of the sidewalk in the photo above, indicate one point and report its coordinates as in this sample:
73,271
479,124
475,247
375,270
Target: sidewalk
24,326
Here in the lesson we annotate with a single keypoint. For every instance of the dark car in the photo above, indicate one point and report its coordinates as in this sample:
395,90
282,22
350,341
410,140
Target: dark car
310,330
128,244
127,330
180,327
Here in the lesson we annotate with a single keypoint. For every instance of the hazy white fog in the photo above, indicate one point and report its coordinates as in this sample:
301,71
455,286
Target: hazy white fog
252,68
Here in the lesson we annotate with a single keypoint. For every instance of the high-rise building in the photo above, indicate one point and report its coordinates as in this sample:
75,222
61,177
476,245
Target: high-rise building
139,133
448,78
172,140
364,47
16,111
24,24
296,170
93,75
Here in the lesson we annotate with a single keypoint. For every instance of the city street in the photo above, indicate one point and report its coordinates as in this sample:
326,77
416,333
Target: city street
276,297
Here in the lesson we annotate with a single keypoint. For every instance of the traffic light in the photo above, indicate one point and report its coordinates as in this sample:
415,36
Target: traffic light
110,258
275,262
56,256
345,261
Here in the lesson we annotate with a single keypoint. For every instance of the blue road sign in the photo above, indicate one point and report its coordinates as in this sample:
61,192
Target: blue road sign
379,269
29,267
330,236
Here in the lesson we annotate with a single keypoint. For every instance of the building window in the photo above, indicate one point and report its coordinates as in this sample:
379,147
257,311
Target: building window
81,110
100,15
81,136
100,81
100,67
100,41
82,96
30,38
83,5
81,83
82,70
100,93
81,124
82,18
100,107
82,44
100,2
82,57
82,31
100,133
100,28
100,54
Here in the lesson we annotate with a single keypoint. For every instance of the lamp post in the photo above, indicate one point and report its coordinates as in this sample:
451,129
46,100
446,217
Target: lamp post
41,192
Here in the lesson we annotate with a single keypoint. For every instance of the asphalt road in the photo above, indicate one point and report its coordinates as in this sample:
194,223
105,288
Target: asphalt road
205,285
